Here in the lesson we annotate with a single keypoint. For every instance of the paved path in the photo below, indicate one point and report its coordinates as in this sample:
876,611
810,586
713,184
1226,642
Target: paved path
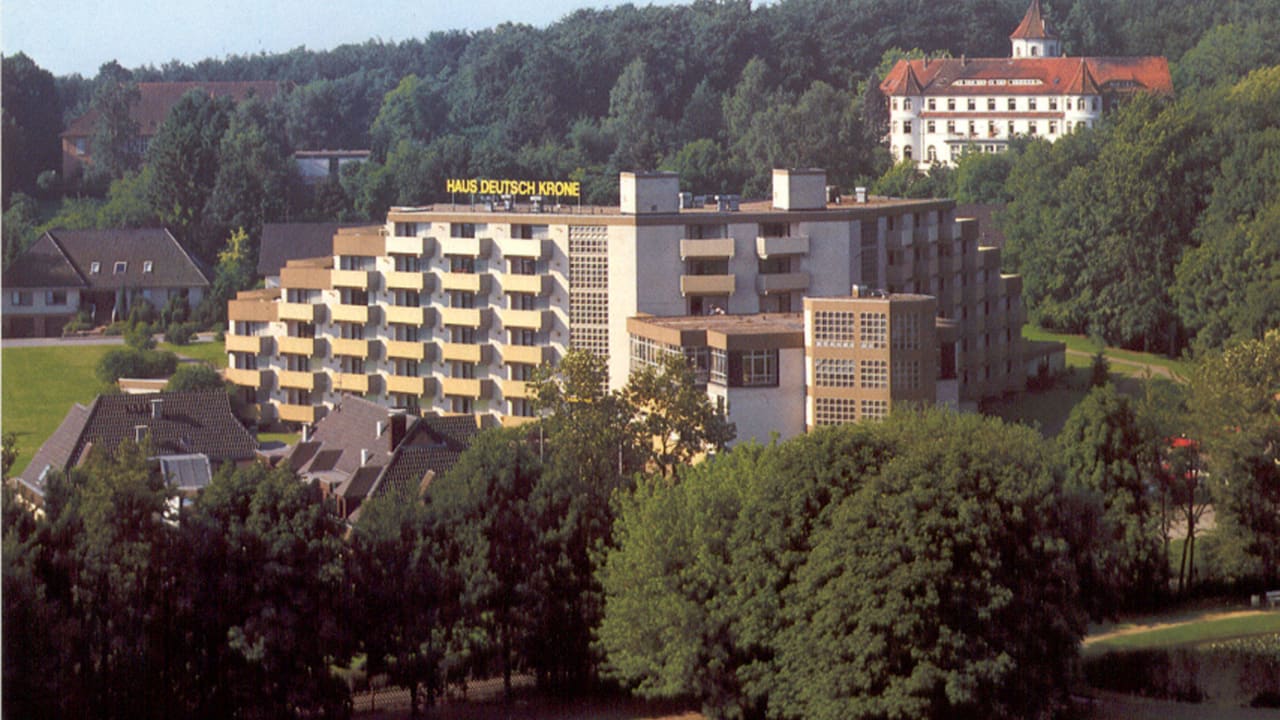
1176,622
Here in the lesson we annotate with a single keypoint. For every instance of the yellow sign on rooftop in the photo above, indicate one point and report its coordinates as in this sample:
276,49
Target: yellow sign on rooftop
490,186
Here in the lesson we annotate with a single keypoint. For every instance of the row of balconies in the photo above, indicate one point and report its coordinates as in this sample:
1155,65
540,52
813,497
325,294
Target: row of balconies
476,247
723,247
727,284
422,281
395,349
364,383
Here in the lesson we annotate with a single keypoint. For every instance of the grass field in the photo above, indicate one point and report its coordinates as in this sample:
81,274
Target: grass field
1191,633
40,385
1124,362
213,353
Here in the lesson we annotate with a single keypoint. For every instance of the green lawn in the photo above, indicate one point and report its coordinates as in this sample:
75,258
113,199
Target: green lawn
1126,362
213,353
1192,633
286,438
39,385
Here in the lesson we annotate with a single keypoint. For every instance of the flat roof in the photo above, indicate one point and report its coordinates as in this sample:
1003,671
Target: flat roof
728,332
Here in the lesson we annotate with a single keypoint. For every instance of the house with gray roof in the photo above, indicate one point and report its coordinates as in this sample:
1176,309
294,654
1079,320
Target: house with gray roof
99,271
175,428
282,242
362,450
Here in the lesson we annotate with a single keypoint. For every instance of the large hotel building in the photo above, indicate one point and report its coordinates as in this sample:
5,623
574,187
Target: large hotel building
805,310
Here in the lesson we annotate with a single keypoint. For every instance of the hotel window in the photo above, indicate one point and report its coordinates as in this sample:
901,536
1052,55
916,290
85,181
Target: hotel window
895,103
522,372
523,266
906,103
931,127
874,374
1013,103
300,330
1012,131
753,368
874,409
462,230
1053,103
462,370
991,104
460,404
906,126
353,296
951,127
906,331
835,372
521,407
834,411
906,374
1068,103
406,263
350,331
404,229
523,337
933,104
873,330
1053,127
973,128
833,329
1031,127
462,299
462,264
349,365
120,268
401,332
1031,103
462,334
951,103
973,104
933,154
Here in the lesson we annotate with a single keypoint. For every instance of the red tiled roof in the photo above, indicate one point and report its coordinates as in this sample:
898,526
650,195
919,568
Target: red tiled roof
1033,25
158,97
1047,76
1083,83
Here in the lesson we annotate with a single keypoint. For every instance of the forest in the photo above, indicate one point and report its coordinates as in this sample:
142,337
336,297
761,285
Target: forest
721,92
931,565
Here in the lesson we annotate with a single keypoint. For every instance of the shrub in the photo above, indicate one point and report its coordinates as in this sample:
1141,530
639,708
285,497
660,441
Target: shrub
138,336
115,328
180,333
194,376
79,323
135,362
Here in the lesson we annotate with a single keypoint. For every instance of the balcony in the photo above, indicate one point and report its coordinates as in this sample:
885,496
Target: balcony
770,246
298,413
349,348
352,382
405,315
349,313
302,312
535,249
706,284
408,385
406,350
515,389
466,317
351,279
296,345
706,248
464,282
530,284
297,379
243,378
782,282
525,354
527,319
466,387
245,343
462,352
397,280
413,245
467,247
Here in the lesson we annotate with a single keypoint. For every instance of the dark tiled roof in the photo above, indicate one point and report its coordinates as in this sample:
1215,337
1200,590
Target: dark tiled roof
432,446
56,452
351,427
44,264
157,98
357,486
187,423
171,266
282,242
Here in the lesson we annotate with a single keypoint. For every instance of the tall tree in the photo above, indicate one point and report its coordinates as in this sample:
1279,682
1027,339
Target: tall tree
115,135
633,119
675,414
31,122
184,159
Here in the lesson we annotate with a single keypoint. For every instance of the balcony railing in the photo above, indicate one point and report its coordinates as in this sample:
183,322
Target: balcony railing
296,345
298,413
298,380
351,279
244,378
405,315
349,313
466,387
245,343
532,284
302,312
523,248
771,246
408,385
397,280
706,248
463,352
406,350
467,247
349,347
465,317
464,282
706,284
525,319
525,354
782,282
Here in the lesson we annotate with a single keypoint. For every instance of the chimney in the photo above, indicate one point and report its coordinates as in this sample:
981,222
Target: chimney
306,433
364,456
399,423
157,408
860,194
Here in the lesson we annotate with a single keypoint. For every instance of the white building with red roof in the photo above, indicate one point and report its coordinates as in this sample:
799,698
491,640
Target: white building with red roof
941,108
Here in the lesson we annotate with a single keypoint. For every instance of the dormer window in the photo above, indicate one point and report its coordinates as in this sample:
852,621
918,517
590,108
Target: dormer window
146,266
121,267
95,267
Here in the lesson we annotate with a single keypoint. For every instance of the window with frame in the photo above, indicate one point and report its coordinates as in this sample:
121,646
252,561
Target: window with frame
951,127
350,331
874,409
463,370
462,230
1031,103
933,104
834,329
1013,103
462,334
835,372
21,298
906,331
931,126
353,296
906,374
523,337
1053,103
1031,127
906,126
95,267
991,104
460,404
120,268
147,266
462,264
521,407
401,332
55,297
972,104
1012,130
522,266
1053,127
406,263
406,229
349,365
951,103
906,103
522,372
753,368
834,411
301,329
873,374
873,330
462,299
